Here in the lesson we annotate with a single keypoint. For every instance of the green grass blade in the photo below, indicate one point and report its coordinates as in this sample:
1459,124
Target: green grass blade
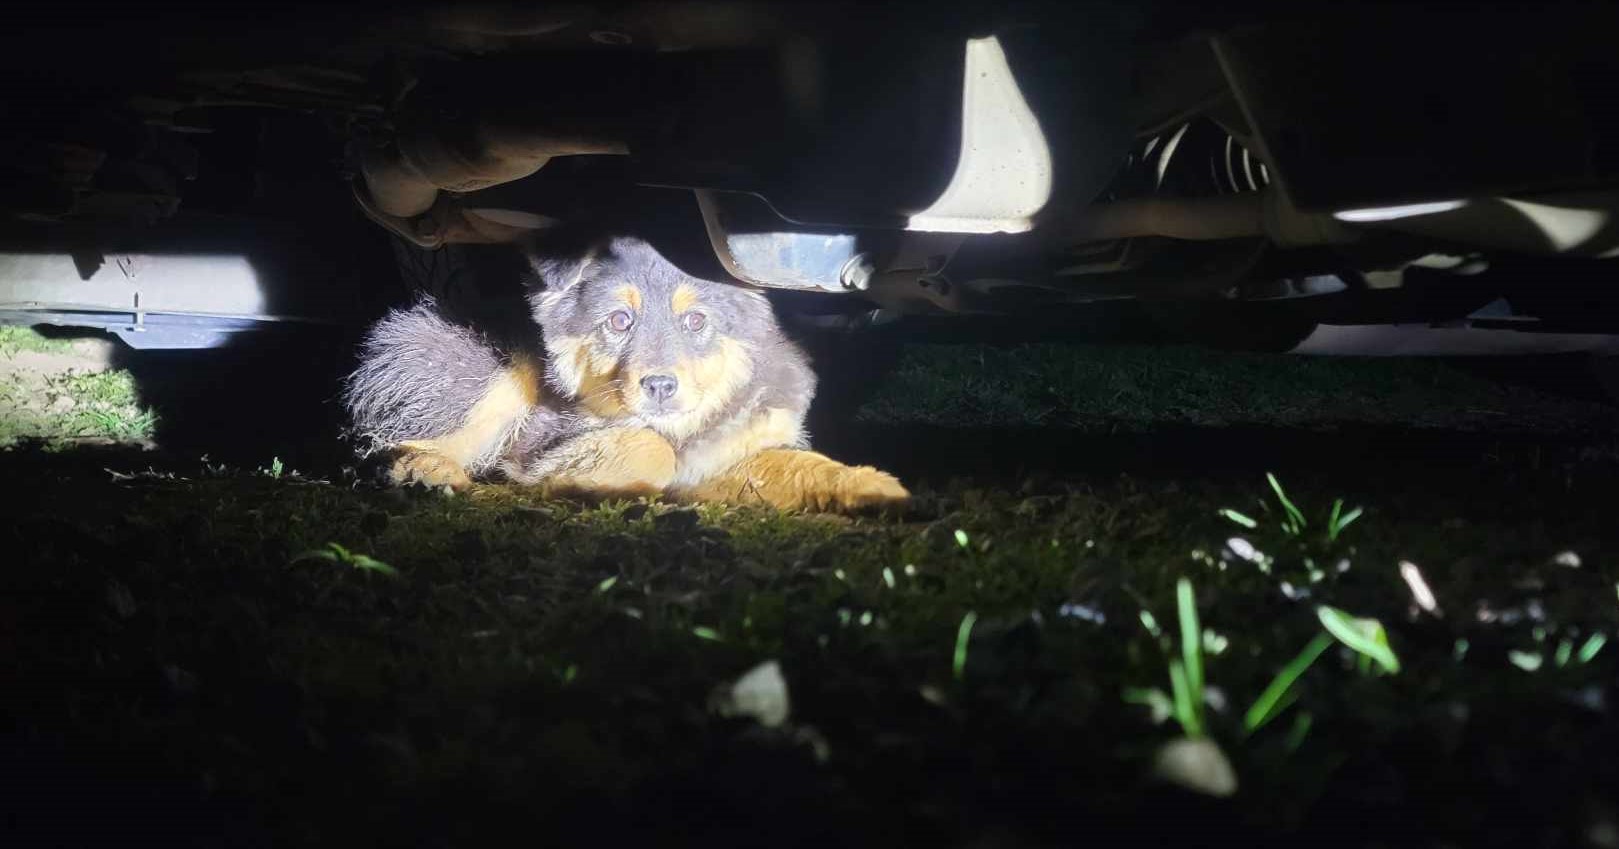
1239,518
1186,709
964,633
1593,644
1154,699
706,633
1295,518
1341,522
362,561
1365,636
1271,702
1191,638
1300,729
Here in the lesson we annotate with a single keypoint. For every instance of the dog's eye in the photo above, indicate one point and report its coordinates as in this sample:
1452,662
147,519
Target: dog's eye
694,321
621,320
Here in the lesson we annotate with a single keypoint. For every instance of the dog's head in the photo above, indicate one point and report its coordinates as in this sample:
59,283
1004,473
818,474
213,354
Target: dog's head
632,338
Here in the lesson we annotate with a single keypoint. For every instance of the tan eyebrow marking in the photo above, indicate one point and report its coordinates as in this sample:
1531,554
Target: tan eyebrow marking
684,298
631,297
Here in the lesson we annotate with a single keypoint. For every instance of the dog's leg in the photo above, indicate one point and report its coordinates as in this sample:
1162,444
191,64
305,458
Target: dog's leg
793,479
445,460
614,462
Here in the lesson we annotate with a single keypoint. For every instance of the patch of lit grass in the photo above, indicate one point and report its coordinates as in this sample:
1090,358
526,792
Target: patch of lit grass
15,338
75,406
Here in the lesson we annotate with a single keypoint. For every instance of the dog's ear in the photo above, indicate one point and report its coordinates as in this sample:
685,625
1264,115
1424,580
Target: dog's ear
555,271
558,262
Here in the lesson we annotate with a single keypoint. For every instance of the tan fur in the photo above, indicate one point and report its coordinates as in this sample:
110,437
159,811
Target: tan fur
714,453
588,377
790,479
626,461
601,384
711,381
631,297
684,298
428,468
567,357
444,461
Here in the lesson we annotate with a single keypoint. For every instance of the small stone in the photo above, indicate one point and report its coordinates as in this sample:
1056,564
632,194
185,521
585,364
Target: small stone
761,694
1196,764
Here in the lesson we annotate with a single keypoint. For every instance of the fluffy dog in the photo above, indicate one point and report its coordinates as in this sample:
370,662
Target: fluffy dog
648,381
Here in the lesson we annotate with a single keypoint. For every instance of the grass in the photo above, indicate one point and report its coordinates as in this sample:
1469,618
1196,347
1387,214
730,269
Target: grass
17,338
1376,650
1125,388
74,406
497,657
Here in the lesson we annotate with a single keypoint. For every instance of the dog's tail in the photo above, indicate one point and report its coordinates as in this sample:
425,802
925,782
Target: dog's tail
419,377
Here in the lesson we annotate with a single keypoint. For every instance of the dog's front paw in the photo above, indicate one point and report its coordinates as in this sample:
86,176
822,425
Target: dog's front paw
794,479
428,468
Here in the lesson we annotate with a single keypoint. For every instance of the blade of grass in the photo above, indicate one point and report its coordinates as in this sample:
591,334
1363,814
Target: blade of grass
964,632
1300,729
1295,518
1339,522
1191,638
1270,702
1186,712
1363,635
1593,644
1239,518
369,563
1154,699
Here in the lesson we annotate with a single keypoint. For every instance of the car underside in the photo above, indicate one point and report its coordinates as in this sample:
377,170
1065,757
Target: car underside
1249,173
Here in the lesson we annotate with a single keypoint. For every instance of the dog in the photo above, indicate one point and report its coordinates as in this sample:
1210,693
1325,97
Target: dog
646,381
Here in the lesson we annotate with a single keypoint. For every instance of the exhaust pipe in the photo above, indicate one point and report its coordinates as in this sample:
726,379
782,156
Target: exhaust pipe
404,179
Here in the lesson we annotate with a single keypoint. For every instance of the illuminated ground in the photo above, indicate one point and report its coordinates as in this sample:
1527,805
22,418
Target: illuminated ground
186,651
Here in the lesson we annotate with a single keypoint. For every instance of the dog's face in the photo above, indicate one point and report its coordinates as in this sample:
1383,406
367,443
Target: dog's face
634,339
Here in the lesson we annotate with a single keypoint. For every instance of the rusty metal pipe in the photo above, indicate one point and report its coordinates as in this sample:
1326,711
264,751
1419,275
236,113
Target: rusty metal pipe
405,178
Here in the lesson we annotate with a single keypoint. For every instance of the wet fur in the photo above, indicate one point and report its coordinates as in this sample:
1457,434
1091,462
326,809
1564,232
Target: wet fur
450,406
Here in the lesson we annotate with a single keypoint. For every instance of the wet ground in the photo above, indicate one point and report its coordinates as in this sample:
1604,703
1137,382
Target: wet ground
236,639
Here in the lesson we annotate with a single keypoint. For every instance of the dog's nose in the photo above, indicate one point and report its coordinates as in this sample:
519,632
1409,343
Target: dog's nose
660,387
